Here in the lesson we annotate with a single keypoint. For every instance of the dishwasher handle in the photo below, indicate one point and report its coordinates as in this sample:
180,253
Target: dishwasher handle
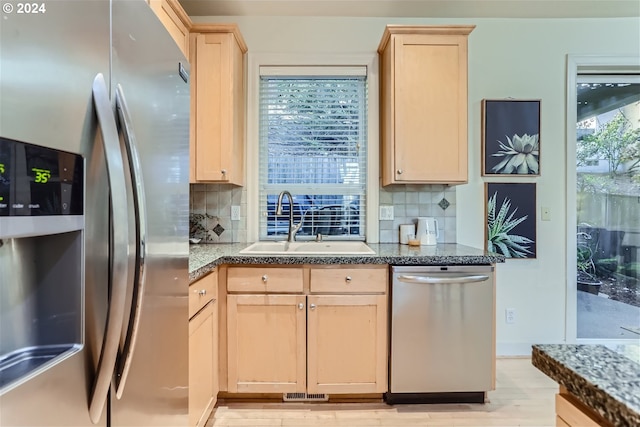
433,280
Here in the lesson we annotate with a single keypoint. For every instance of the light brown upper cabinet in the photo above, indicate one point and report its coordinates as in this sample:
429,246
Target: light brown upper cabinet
217,104
175,20
423,104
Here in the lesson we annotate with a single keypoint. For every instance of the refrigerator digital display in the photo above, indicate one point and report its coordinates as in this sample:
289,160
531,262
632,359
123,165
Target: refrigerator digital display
37,181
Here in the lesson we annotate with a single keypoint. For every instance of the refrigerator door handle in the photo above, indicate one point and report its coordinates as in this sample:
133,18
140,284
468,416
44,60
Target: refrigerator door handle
119,250
140,211
432,280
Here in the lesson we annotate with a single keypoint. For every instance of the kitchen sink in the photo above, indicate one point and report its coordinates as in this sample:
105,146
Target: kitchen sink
308,248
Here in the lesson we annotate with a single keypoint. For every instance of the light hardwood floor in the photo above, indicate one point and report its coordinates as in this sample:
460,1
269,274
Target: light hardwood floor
523,397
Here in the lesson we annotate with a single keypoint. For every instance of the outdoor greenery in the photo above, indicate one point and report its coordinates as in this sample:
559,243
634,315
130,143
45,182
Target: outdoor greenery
500,225
586,268
617,142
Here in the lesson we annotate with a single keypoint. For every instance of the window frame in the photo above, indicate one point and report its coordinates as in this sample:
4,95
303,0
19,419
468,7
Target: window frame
257,60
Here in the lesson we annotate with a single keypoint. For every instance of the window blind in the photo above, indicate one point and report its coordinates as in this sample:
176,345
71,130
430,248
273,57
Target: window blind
313,143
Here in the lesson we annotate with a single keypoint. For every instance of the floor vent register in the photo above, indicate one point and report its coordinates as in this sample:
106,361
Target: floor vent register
305,397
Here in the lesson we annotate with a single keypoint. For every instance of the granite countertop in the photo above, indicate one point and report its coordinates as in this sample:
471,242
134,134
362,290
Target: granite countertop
605,380
205,257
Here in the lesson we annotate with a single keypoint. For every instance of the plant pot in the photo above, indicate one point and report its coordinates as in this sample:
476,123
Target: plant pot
592,288
588,283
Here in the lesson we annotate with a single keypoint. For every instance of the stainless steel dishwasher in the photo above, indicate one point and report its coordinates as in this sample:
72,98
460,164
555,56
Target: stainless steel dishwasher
442,334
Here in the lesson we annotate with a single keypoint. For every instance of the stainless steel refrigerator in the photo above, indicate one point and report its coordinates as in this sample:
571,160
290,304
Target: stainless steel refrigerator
103,83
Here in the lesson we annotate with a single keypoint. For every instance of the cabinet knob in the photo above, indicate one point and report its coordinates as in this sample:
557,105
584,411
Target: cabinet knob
223,171
312,306
202,292
265,278
347,279
300,306
399,171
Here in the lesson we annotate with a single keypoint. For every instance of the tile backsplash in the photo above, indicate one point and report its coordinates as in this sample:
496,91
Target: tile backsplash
216,200
411,201
408,201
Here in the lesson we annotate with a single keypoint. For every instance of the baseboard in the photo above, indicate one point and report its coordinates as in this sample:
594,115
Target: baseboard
512,349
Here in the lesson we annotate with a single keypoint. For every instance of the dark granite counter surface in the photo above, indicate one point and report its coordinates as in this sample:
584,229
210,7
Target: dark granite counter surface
606,380
205,257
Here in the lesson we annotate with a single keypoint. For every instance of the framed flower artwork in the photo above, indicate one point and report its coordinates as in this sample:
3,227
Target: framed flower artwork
510,137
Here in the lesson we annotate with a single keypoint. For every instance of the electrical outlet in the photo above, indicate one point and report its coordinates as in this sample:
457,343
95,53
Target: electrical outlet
235,213
386,213
510,315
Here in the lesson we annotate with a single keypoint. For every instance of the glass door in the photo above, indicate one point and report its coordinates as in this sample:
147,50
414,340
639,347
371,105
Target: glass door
608,206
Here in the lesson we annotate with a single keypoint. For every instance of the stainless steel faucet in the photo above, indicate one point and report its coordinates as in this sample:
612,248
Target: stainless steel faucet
293,228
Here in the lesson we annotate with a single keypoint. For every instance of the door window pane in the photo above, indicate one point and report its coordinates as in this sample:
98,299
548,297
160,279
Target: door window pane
608,207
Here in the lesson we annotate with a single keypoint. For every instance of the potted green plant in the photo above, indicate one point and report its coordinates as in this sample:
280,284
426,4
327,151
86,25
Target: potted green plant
586,269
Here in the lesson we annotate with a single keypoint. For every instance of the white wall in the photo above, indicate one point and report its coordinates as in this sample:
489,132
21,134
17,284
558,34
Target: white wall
518,58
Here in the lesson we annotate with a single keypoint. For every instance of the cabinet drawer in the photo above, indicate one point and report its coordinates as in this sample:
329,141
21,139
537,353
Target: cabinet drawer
264,279
202,291
348,280
574,413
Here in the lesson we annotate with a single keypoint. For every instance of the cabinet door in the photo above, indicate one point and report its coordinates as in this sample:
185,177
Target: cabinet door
215,364
202,291
168,12
423,104
347,344
219,105
266,343
431,108
201,365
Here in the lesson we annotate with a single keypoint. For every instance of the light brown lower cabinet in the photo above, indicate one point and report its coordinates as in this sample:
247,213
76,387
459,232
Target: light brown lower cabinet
266,336
203,349
346,344
316,343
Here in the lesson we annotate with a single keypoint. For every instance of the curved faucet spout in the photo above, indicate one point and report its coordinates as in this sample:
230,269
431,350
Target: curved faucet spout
293,228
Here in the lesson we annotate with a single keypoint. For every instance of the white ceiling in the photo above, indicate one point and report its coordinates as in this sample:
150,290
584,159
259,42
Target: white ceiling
417,8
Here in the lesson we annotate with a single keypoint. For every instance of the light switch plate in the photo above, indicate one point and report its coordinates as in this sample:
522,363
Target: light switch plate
545,213
386,213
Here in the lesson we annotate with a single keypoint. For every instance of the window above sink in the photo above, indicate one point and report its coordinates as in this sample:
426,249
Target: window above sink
313,143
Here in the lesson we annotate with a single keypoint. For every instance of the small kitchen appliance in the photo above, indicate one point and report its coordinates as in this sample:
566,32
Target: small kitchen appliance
427,230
